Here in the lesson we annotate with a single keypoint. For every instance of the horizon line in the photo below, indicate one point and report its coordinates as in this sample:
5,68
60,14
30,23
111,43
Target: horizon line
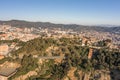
109,25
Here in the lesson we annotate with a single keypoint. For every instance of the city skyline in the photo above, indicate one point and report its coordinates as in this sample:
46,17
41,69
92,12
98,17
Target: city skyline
87,12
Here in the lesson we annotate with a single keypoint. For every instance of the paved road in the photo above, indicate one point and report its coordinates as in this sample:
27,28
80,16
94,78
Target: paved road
50,57
95,47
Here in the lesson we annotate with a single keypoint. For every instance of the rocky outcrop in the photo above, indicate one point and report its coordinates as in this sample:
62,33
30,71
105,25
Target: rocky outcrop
10,64
97,75
71,75
23,77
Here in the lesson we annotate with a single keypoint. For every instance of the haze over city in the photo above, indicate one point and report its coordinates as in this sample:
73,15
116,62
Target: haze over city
87,12
59,39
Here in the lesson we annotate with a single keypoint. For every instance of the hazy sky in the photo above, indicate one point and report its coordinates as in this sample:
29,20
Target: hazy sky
62,11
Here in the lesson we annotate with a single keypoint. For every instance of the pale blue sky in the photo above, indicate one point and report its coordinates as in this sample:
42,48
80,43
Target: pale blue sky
62,11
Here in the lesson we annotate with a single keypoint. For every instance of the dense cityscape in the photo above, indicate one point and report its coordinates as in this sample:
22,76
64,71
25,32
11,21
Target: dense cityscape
59,39
29,53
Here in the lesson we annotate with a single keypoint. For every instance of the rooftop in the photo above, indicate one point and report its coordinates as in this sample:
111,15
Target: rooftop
7,72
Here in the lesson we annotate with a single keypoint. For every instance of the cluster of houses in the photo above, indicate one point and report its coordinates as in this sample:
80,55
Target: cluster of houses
10,33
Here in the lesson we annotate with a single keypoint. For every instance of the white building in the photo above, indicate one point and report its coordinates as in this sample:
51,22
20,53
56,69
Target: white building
4,49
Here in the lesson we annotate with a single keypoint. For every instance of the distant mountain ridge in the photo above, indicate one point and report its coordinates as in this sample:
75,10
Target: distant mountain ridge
75,27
